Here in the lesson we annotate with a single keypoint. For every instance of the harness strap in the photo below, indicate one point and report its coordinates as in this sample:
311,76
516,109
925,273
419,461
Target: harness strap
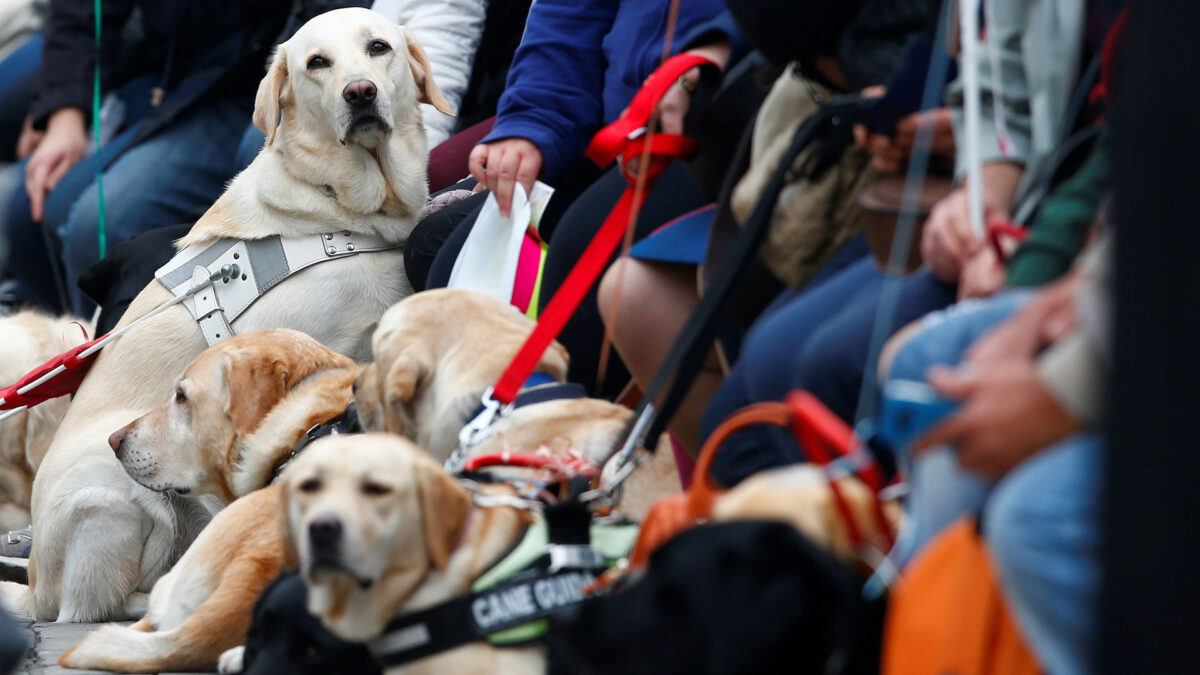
544,573
474,617
262,264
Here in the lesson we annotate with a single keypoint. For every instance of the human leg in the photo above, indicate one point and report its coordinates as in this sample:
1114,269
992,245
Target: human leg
673,195
941,491
1042,524
18,74
763,371
831,362
171,177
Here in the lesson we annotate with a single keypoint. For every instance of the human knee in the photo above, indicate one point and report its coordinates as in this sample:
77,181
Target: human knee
627,290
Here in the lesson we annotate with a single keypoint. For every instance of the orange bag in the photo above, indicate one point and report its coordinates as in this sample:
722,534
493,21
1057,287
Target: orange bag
824,437
946,614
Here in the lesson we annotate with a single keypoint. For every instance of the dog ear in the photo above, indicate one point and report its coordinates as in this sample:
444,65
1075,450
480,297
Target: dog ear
270,92
427,89
259,378
408,372
444,508
255,386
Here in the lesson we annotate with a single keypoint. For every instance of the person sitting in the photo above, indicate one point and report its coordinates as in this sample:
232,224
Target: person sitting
188,95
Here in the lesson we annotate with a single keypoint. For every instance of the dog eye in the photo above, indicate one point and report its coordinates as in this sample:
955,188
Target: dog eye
378,47
180,397
375,489
316,62
310,485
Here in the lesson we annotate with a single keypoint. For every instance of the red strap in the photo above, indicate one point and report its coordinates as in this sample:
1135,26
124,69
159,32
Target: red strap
569,466
824,438
609,143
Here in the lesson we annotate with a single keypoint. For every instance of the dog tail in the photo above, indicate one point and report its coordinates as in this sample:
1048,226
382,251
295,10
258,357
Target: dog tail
127,649
17,598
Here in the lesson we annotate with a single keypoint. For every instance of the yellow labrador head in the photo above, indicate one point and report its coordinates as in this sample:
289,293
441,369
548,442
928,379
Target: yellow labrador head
368,518
434,355
194,442
349,75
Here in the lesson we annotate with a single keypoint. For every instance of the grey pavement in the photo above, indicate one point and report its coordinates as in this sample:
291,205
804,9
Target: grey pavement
47,642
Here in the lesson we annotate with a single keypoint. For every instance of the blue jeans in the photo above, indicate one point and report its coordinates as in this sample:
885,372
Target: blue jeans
169,178
1041,520
18,75
816,339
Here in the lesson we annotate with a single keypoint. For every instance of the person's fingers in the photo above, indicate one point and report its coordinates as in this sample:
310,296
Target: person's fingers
527,172
476,162
946,433
491,169
505,180
57,173
36,173
479,187
951,383
862,137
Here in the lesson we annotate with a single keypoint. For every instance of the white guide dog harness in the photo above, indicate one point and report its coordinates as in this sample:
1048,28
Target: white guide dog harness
245,269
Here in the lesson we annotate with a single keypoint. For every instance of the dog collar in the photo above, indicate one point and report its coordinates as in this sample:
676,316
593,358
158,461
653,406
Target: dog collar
258,265
345,423
510,603
541,388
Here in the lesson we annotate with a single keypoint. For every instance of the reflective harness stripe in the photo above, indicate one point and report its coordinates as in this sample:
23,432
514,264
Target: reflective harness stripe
258,265
510,602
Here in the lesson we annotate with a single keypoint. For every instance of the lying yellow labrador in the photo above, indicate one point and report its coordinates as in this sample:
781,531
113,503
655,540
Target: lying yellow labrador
377,528
435,354
345,153
28,339
239,410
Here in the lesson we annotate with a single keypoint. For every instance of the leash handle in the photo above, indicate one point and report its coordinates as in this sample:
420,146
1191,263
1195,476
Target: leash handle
625,138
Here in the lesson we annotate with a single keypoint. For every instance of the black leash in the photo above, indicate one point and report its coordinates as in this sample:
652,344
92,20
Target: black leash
832,126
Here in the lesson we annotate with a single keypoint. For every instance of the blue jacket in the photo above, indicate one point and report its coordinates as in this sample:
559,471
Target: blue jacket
580,64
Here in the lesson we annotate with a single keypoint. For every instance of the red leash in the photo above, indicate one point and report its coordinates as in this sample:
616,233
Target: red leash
625,138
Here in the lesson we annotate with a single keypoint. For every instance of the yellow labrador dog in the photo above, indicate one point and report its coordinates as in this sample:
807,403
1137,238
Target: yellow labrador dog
239,410
28,339
377,528
344,151
435,354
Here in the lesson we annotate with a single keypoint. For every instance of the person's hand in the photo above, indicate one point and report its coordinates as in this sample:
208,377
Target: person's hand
982,275
1041,322
673,107
501,164
64,145
948,239
1007,414
888,154
29,139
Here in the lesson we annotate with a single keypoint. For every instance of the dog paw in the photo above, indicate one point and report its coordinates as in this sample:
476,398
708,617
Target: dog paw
231,660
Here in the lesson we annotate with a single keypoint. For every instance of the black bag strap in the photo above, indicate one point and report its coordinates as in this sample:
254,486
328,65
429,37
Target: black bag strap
683,363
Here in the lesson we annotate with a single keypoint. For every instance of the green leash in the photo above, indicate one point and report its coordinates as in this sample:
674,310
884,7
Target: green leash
101,226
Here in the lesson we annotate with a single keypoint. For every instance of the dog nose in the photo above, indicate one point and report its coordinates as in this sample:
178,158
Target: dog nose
360,93
325,531
116,438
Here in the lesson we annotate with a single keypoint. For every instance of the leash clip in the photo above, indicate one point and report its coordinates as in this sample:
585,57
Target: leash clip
475,431
621,464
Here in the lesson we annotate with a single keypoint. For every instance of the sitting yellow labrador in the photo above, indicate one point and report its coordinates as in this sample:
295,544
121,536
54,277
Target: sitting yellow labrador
435,354
238,412
377,529
344,161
